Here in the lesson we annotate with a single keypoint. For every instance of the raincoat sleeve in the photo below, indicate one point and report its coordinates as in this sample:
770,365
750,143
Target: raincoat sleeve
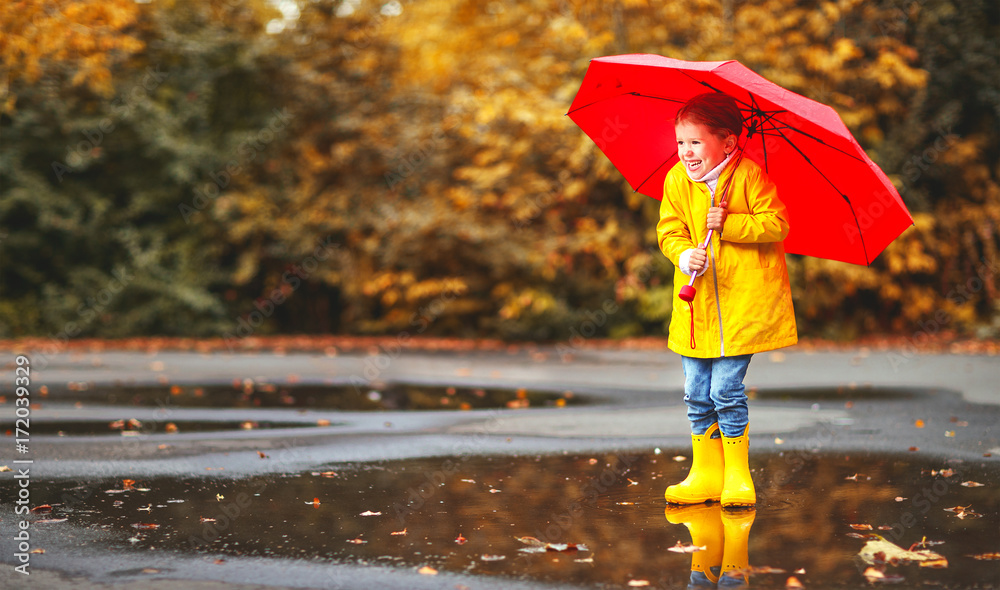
672,232
767,220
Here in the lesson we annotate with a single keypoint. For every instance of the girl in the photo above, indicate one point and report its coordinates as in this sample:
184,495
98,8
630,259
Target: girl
743,304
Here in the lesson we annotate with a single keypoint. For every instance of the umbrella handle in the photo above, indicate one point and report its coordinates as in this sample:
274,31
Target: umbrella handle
687,291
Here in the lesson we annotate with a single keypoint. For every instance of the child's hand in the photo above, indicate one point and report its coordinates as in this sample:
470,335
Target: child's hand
716,218
698,260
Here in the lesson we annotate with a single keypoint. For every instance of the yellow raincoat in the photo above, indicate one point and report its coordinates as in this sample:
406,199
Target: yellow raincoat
743,303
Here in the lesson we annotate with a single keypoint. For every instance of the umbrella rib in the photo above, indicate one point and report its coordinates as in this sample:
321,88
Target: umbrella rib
850,205
816,139
579,108
655,170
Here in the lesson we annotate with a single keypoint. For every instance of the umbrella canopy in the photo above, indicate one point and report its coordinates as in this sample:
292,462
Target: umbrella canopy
840,204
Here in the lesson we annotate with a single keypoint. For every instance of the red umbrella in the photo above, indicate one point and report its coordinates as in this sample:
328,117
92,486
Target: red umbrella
840,204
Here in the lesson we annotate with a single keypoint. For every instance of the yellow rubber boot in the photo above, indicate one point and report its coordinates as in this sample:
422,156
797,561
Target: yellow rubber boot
735,559
704,481
704,523
737,485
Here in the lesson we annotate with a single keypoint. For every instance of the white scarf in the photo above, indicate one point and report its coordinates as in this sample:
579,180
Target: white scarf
712,178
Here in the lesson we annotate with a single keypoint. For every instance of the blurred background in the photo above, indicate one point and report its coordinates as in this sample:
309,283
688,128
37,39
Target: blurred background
229,167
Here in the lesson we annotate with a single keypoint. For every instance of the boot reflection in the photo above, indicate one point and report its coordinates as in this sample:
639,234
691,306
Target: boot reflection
735,560
704,523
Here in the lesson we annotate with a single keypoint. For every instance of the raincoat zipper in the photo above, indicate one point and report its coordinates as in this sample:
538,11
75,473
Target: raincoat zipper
715,281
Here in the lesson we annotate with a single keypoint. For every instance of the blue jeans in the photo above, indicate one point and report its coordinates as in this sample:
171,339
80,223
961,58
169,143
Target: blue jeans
714,392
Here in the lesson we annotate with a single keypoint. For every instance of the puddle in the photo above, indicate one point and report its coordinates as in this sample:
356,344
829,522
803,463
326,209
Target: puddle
249,394
842,393
464,514
137,428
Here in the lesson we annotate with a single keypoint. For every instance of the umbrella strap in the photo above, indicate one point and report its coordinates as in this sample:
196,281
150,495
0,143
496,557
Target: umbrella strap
691,309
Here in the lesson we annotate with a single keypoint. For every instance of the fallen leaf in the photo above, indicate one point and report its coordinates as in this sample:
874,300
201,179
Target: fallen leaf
322,422
219,561
592,461
461,540
914,449
219,497
852,477
397,533
315,503
779,441
632,482
262,455
536,546
625,503
935,563
150,570
365,513
879,550
427,571
4,468
861,527
949,433
801,571
972,484
793,583
638,583
203,519
486,557
145,525
495,491
37,551
49,520
986,556
943,472
43,509
128,484
468,480
680,458
900,498
884,527
963,512
919,423
686,548
358,541
584,560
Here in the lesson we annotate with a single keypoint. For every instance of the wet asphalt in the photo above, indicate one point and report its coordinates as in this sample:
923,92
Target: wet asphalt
935,406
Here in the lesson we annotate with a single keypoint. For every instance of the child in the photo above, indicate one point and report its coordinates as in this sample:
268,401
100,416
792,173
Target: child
743,302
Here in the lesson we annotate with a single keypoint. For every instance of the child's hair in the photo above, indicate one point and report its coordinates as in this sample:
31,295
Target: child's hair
716,110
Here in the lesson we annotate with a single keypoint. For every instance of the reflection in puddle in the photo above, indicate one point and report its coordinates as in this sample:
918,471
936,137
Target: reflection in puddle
466,513
250,394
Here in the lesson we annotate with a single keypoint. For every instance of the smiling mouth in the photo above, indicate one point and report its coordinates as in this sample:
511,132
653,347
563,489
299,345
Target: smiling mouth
693,164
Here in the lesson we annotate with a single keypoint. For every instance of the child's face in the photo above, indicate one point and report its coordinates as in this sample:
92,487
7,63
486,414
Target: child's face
699,149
